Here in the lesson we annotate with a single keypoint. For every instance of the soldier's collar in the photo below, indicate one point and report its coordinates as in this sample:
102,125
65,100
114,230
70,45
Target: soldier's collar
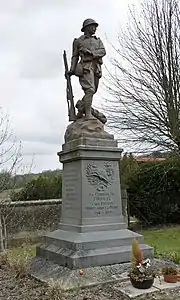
86,37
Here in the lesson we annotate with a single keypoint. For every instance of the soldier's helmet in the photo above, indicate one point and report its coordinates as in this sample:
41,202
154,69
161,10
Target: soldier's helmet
88,22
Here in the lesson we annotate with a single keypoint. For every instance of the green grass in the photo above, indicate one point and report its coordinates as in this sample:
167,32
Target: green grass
23,251
165,240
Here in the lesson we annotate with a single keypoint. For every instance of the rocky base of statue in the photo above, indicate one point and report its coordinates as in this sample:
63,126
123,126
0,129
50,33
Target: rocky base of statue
92,128
96,113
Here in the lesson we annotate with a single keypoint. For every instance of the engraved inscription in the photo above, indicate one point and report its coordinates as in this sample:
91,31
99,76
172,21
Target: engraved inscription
102,204
70,189
99,177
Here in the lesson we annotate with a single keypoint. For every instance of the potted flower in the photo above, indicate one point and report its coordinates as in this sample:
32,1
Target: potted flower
142,274
178,275
170,274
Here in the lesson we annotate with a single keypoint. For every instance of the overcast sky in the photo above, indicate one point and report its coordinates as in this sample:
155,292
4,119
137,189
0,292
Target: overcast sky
33,35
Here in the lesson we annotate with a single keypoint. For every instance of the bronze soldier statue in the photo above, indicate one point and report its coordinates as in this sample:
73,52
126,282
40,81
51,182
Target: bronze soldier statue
90,50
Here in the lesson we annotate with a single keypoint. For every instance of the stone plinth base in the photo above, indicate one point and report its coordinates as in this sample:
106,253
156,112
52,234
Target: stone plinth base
82,250
92,231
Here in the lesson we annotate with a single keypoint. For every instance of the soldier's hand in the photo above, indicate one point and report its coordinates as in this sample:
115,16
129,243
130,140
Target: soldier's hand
86,51
70,73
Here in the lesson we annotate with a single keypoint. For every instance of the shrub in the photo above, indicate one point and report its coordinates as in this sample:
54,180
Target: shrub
19,266
55,290
154,192
18,263
175,256
43,187
128,165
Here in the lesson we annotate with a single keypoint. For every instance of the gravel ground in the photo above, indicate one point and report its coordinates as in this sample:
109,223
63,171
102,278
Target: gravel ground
30,289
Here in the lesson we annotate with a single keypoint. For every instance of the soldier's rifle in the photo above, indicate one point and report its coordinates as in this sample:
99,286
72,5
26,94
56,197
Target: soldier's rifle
69,91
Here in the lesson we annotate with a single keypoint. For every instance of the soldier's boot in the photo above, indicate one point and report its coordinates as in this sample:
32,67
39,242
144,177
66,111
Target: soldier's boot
87,106
80,106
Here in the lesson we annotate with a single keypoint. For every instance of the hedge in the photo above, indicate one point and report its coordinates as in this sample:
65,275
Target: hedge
154,192
43,187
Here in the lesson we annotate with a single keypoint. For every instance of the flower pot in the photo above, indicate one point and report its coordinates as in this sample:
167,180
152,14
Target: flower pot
145,284
170,278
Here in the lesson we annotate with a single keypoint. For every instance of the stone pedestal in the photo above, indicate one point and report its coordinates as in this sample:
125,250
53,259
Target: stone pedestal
92,231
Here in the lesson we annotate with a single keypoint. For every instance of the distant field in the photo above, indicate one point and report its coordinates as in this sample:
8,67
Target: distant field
5,194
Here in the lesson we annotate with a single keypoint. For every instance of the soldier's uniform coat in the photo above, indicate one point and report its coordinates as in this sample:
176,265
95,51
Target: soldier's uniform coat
88,69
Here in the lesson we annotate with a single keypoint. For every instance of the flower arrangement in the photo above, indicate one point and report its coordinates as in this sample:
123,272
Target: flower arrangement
170,274
142,273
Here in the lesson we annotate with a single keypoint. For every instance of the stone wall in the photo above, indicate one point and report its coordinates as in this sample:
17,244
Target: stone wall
30,216
31,219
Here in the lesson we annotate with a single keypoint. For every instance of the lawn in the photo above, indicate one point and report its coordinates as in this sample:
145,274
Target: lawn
165,240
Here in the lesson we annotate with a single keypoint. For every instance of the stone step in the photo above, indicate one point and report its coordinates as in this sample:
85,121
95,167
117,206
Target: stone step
95,257
92,240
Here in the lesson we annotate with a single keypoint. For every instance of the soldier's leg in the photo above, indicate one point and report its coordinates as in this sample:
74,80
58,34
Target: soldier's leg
80,107
88,86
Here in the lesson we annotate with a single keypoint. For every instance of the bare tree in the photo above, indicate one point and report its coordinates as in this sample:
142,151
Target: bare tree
145,81
10,159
